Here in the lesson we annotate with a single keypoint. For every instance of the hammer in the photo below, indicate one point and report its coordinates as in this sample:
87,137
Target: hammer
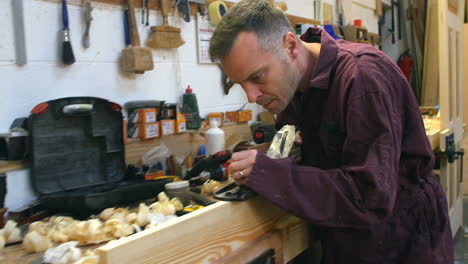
135,58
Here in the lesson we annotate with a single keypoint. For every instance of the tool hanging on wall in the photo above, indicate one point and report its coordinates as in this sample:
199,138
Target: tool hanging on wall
126,22
135,59
216,9
20,39
165,36
184,7
145,12
68,57
87,14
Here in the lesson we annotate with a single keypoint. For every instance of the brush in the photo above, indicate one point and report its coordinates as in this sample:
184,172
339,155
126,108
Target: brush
67,51
165,36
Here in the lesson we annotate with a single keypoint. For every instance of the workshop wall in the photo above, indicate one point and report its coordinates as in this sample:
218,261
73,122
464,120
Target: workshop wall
96,70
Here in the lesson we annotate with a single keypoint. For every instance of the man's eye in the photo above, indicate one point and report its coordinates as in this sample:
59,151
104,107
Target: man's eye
257,77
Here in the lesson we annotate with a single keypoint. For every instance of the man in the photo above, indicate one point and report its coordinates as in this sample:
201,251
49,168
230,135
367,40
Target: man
365,179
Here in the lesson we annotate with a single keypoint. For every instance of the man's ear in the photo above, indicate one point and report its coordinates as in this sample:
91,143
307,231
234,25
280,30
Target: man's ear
291,45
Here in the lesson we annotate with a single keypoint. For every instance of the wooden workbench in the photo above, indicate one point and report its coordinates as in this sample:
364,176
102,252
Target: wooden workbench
220,233
223,232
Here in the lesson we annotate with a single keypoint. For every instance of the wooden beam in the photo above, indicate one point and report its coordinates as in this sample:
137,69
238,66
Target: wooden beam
204,236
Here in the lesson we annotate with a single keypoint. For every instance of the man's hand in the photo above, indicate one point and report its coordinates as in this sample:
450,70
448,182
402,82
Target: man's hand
241,166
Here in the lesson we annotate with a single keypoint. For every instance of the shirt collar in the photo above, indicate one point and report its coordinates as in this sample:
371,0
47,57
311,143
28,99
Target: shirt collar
320,77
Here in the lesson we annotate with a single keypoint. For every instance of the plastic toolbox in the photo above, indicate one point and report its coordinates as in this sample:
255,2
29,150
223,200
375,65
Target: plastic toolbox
78,159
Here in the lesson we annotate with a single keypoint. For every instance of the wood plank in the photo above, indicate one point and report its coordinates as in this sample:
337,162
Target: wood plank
378,8
7,166
430,84
465,74
453,6
271,240
204,236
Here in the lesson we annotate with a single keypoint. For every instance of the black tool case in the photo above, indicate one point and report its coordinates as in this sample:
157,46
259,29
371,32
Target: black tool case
78,157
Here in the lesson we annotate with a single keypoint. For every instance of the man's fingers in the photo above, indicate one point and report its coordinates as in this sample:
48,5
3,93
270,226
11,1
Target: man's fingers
298,138
241,155
240,173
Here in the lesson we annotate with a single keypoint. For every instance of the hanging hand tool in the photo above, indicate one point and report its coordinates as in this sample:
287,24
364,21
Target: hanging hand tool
147,12
20,42
142,12
68,57
88,18
165,36
184,7
128,42
135,59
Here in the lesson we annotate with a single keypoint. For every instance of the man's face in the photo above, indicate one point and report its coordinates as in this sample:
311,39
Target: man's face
268,79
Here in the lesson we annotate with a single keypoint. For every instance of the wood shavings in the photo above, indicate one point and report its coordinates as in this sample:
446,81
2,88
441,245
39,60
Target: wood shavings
177,204
210,186
112,223
106,214
35,242
63,254
163,206
143,213
11,233
2,240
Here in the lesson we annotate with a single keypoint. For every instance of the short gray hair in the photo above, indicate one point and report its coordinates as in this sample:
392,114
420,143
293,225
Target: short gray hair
259,16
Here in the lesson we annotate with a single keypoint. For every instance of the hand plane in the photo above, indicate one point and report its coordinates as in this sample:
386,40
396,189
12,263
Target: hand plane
280,147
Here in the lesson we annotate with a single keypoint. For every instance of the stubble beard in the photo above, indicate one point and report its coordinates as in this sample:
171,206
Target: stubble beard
289,85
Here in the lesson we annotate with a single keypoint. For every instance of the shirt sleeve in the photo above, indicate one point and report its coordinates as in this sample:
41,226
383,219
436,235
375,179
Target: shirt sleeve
359,192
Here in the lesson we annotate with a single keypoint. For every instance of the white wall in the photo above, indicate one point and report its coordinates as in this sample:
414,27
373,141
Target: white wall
361,9
96,71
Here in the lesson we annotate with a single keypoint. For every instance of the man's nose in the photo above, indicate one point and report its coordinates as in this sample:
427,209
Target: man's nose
253,92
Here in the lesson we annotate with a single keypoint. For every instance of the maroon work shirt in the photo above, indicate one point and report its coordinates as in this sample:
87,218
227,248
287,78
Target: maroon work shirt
366,179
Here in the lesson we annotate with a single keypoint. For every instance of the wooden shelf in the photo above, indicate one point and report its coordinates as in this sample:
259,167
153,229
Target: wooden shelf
135,149
187,142
7,166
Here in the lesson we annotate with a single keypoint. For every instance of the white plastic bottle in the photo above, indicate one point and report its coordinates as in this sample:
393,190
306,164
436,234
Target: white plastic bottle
214,138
